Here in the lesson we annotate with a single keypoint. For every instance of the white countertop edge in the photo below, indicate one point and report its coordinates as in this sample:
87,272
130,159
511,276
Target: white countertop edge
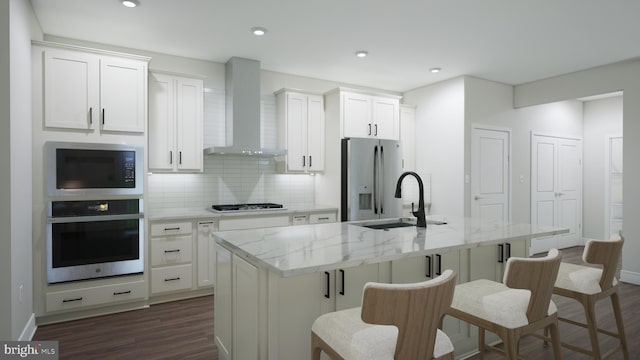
357,262
191,213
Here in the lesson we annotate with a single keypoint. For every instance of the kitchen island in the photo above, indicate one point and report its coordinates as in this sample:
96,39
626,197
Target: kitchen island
272,283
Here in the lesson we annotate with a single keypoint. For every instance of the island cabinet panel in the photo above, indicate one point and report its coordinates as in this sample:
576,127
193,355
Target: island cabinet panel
427,267
294,304
245,309
350,283
223,303
488,262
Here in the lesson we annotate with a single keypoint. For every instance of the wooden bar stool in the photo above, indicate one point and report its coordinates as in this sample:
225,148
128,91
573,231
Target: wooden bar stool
588,285
396,321
518,306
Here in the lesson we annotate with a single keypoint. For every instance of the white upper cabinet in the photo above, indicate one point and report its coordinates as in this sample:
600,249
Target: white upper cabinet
94,91
122,94
175,123
301,130
369,115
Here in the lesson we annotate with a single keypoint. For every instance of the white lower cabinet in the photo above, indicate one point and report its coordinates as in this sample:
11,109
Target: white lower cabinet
350,283
171,256
95,295
320,218
488,262
206,254
223,323
422,268
245,309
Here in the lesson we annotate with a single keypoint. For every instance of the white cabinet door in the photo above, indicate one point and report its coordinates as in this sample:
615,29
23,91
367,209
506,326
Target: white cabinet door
296,124
71,98
122,94
301,126
315,132
175,123
356,115
408,137
206,260
300,300
189,124
350,283
223,309
161,122
386,118
245,309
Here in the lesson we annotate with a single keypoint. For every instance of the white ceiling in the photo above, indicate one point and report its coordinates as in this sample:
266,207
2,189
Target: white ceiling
509,41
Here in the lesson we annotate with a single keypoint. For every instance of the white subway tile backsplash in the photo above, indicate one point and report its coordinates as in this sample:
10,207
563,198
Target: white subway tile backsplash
231,179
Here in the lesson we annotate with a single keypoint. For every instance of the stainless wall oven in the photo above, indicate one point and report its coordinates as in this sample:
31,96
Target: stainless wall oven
94,170
90,239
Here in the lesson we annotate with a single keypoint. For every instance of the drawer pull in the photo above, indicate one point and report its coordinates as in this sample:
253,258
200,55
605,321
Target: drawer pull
323,218
342,280
172,251
172,279
72,300
171,229
122,292
327,294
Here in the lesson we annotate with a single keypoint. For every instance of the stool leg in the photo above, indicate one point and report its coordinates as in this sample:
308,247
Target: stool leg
555,340
511,345
615,302
481,342
315,347
592,325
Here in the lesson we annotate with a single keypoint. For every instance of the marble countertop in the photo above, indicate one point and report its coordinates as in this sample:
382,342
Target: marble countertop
302,249
199,213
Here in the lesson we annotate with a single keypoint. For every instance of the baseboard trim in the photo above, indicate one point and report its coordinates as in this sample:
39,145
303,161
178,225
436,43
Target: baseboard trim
630,277
29,329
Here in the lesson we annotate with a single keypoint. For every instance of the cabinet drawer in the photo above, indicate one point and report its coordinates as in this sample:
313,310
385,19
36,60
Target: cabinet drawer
171,278
177,228
171,250
299,219
322,218
71,299
253,223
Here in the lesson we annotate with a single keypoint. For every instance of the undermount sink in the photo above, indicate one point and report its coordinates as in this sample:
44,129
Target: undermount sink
388,223
394,223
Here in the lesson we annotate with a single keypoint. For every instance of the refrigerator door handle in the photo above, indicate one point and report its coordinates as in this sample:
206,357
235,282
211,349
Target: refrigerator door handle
375,179
382,184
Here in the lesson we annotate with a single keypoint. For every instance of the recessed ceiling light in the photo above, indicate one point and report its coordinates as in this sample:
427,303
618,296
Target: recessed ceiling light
130,3
435,70
361,53
258,31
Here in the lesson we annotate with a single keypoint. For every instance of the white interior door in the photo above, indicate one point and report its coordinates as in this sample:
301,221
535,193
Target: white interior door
490,169
556,189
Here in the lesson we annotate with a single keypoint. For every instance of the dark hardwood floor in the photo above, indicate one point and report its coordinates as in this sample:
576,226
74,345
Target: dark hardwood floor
184,330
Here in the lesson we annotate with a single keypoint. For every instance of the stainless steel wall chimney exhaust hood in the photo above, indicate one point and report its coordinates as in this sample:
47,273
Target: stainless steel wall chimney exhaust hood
243,111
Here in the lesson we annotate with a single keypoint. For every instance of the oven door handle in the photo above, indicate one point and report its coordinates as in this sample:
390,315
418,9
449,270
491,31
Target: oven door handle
76,219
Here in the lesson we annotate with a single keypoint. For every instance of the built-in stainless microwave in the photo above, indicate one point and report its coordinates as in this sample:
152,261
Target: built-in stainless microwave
82,169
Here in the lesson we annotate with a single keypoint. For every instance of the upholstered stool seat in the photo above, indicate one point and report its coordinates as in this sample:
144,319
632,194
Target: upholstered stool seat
396,321
495,302
354,339
518,306
587,285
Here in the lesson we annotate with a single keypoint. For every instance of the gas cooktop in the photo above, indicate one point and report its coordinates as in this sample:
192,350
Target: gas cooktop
247,207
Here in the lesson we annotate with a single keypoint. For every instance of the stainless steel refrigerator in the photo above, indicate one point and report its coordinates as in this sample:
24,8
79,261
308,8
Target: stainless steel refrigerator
370,170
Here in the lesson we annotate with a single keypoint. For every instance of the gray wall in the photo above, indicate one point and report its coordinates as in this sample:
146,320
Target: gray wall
605,79
18,26
602,118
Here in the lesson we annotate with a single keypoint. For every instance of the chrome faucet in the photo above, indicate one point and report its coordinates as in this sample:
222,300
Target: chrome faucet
421,219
